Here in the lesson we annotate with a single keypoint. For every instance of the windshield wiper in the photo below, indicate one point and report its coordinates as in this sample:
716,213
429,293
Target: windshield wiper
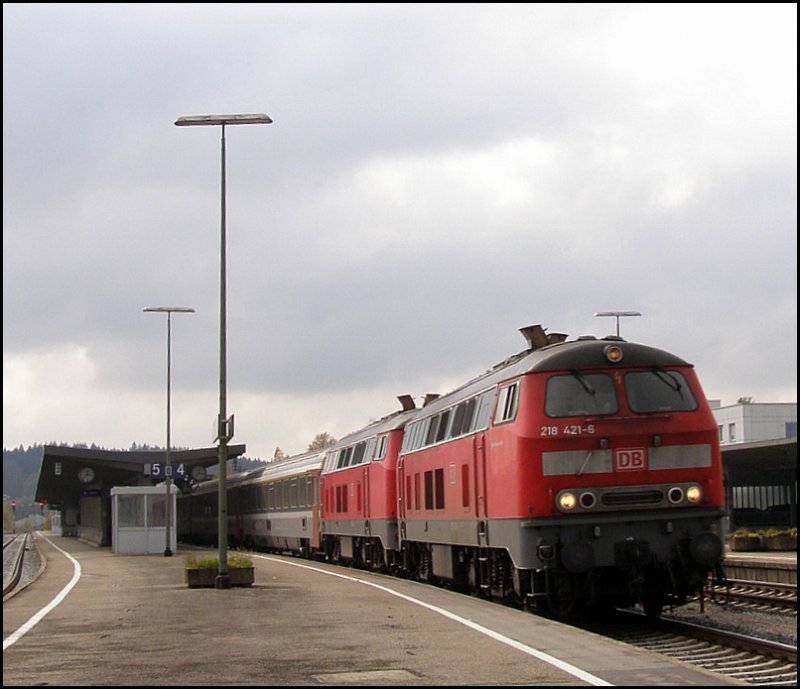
585,384
668,379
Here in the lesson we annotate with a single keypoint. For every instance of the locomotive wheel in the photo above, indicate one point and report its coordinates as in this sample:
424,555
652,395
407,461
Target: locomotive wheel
652,604
561,596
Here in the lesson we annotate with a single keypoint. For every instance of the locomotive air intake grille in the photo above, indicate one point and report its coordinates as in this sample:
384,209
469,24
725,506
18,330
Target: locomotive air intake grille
634,497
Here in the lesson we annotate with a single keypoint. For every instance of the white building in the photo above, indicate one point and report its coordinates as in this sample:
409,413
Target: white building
748,421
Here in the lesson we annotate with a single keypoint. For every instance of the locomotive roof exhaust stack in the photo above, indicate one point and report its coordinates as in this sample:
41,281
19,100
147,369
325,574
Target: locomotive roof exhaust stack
430,397
535,335
407,401
556,338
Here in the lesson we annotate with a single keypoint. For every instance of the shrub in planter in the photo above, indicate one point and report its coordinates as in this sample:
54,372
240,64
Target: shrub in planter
780,539
202,572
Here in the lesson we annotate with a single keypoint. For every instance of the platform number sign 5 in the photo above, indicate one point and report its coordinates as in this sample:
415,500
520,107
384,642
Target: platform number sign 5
630,459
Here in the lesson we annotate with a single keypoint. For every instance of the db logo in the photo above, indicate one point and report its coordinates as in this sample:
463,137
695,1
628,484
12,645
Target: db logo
630,459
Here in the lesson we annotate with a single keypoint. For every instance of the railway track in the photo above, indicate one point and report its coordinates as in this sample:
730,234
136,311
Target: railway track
14,551
761,595
746,658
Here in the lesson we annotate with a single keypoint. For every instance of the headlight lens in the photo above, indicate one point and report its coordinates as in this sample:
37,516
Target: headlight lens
613,353
694,494
675,495
567,501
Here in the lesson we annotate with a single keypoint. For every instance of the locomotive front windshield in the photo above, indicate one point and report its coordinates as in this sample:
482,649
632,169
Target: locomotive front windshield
594,394
658,390
580,394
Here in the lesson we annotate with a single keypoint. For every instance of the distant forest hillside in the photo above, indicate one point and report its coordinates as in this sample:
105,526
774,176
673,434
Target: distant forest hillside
21,473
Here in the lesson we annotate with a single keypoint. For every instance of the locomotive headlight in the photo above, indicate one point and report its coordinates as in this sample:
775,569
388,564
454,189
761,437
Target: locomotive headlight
675,495
613,353
694,494
567,501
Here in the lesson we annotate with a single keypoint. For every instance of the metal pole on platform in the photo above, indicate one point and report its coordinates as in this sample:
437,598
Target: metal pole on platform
169,310
224,424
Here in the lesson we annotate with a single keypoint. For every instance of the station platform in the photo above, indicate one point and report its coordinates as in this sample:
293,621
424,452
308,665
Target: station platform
132,620
778,567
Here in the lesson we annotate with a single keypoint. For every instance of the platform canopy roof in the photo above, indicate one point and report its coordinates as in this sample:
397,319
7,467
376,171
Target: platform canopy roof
59,474
761,463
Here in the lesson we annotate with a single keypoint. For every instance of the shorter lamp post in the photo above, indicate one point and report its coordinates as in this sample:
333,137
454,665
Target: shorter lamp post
617,314
169,310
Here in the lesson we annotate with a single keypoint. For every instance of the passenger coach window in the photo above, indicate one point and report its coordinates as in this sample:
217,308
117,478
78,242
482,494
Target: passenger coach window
658,391
580,394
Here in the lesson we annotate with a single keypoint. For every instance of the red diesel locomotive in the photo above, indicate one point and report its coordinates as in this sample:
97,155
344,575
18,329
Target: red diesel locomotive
584,471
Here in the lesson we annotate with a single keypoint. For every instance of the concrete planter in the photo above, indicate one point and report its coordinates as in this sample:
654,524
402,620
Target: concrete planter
206,578
781,542
745,543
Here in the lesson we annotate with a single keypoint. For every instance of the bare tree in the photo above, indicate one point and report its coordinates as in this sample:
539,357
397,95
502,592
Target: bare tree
278,455
321,441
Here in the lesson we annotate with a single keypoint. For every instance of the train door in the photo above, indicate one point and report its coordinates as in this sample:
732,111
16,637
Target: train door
401,493
316,499
366,484
479,463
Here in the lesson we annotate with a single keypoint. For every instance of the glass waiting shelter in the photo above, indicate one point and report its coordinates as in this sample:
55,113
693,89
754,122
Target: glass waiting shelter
138,519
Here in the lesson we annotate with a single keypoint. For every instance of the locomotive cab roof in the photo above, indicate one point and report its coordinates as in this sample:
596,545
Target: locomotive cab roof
554,352
591,353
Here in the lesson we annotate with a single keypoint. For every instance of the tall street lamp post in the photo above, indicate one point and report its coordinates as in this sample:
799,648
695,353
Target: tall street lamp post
224,424
617,314
169,310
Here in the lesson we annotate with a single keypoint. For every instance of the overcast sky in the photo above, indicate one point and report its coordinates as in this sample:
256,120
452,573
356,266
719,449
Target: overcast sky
436,177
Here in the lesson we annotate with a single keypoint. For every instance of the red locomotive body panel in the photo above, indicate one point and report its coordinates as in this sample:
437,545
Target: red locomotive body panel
519,485
366,490
444,482
358,491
